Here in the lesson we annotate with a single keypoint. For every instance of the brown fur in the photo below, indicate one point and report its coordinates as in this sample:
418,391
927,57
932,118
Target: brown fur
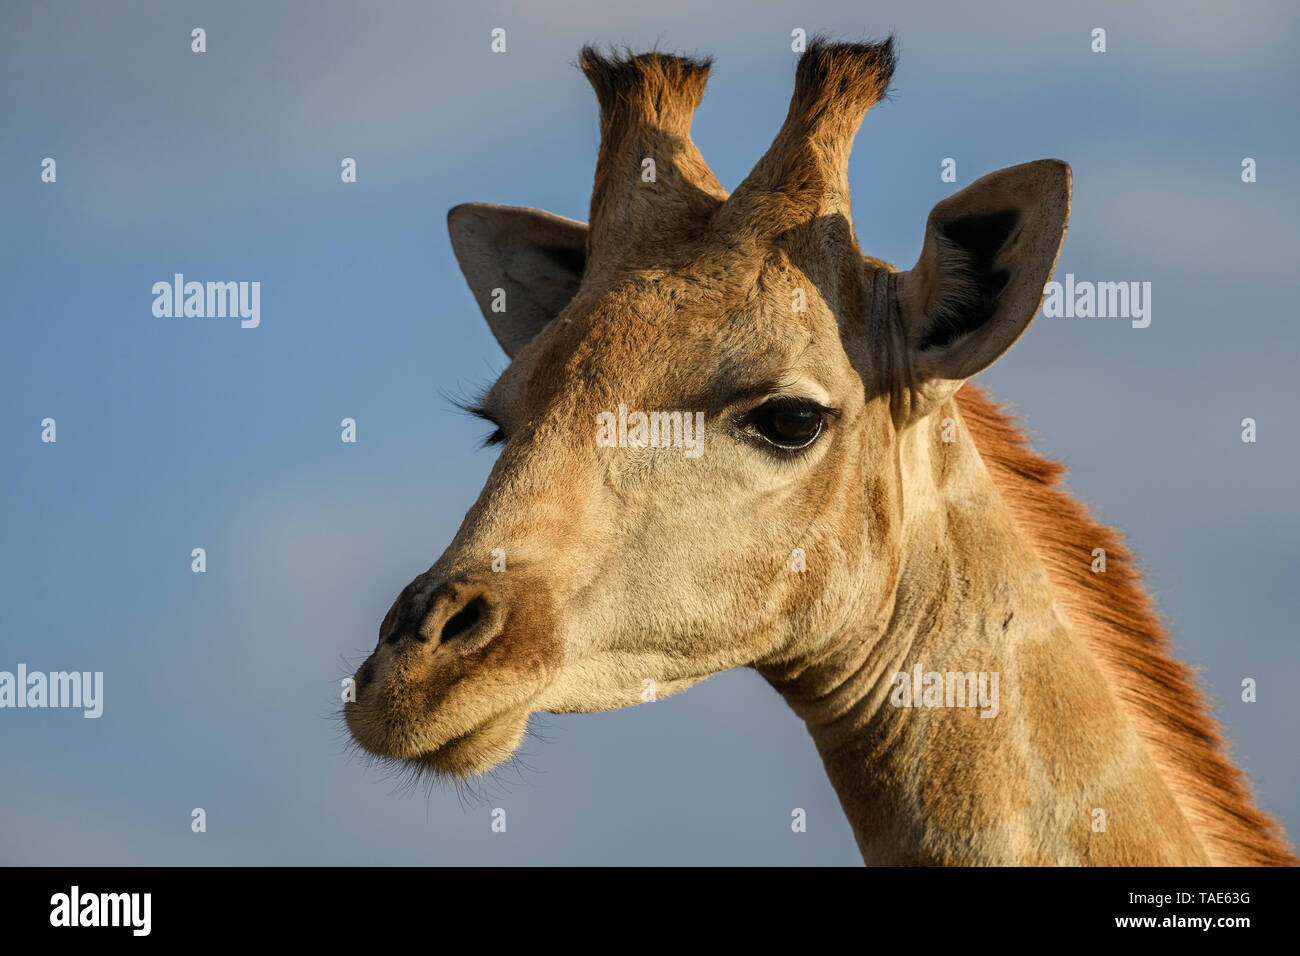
657,89
646,105
803,175
1114,615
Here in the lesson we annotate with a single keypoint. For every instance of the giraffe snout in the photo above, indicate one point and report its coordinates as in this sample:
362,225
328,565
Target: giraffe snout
459,664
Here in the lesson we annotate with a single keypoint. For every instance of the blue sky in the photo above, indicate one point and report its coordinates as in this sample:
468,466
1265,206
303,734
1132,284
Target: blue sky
221,688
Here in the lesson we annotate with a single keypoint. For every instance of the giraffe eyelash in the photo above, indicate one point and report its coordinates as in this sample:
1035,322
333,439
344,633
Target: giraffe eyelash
480,409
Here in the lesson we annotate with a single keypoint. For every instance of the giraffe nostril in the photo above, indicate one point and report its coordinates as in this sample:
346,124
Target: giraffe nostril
463,620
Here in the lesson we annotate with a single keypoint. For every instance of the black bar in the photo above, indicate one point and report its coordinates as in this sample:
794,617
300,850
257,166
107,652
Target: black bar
365,905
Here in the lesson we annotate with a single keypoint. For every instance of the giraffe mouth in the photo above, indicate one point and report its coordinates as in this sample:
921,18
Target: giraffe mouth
433,722
467,754
478,751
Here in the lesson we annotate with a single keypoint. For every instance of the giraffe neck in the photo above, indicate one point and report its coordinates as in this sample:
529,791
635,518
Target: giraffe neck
1043,765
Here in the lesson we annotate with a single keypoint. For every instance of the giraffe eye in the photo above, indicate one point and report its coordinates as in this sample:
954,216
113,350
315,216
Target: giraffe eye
789,423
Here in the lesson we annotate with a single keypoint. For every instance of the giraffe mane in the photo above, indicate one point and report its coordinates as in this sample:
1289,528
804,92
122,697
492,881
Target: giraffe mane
1116,618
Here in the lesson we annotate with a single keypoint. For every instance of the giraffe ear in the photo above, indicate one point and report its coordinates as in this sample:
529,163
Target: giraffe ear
989,251
523,266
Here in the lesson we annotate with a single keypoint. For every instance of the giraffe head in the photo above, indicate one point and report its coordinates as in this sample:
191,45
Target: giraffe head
701,422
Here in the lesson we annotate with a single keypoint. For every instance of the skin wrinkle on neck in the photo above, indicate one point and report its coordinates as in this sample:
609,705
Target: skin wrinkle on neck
842,687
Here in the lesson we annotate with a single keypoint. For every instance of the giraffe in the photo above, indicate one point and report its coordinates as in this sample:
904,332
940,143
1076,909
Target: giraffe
859,512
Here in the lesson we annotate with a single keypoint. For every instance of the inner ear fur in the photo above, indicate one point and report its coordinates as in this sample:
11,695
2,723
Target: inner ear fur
989,250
